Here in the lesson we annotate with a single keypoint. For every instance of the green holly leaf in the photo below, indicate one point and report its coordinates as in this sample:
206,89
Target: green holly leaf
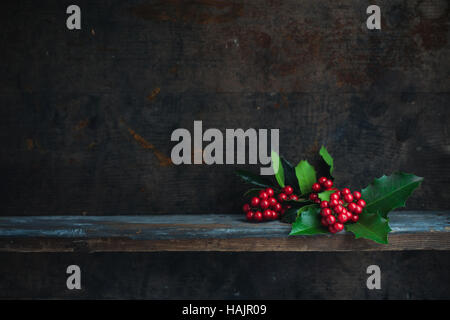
370,226
291,214
327,158
296,203
289,175
277,168
254,179
308,223
389,192
306,176
325,196
252,192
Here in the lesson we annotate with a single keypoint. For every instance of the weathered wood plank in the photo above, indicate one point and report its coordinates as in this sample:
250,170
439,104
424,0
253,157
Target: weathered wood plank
342,242
411,231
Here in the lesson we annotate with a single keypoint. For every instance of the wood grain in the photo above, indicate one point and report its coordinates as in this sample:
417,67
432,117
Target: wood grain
87,115
411,231
406,275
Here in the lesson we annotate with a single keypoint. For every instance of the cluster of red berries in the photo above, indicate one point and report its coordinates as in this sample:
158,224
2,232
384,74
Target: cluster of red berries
341,209
323,184
266,206
344,206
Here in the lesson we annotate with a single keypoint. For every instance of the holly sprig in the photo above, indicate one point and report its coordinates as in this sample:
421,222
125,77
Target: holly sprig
382,196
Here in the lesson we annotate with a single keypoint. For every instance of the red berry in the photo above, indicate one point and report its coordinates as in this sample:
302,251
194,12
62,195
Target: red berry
331,219
349,215
316,187
275,215
324,204
338,227
334,196
342,218
322,180
278,207
272,201
357,195
361,203
254,201
341,202
249,215
288,190
348,198
293,197
258,216
325,212
267,214
331,228
282,212
264,204
313,196
263,195
282,197
246,207
355,218
317,201
270,192
324,222
351,207
328,184
345,191
358,209
338,209
333,203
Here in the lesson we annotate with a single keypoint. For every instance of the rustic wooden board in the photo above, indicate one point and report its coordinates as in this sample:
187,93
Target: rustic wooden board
87,115
411,231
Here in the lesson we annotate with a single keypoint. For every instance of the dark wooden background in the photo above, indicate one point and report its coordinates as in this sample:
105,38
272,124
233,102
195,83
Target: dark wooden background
86,116
232,275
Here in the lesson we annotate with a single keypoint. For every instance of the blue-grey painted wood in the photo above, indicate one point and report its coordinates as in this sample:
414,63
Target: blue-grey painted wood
166,227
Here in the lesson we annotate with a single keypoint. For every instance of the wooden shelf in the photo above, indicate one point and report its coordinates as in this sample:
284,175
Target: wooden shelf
411,230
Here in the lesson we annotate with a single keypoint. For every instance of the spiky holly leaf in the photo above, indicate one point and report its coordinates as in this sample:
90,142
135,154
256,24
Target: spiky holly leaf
389,192
306,176
327,158
277,168
308,223
291,214
370,226
254,179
